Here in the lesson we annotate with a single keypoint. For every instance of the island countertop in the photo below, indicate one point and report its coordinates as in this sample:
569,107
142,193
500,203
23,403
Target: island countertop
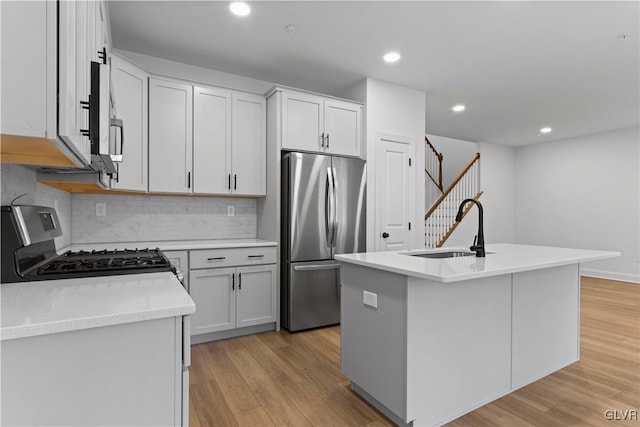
53,306
501,258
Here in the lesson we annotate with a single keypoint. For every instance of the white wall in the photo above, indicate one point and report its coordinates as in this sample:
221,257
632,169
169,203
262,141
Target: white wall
18,179
584,193
497,181
396,110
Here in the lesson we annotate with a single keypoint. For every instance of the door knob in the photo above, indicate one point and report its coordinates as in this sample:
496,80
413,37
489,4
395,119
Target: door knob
385,235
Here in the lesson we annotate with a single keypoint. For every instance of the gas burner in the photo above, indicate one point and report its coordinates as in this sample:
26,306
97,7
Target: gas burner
104,262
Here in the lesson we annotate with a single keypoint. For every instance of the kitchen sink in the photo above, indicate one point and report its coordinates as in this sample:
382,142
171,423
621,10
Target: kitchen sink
448,254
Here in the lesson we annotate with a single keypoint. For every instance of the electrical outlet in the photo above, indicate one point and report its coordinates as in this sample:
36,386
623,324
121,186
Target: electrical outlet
370,299
101,209
231,210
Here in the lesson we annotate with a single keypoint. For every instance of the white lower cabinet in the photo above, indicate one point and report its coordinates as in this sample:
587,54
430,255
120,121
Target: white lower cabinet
213,291
255,296
232,297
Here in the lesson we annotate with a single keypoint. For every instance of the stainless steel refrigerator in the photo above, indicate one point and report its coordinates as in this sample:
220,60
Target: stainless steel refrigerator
323,214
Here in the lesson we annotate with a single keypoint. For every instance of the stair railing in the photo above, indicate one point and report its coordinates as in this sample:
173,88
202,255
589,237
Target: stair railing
433,164
440,218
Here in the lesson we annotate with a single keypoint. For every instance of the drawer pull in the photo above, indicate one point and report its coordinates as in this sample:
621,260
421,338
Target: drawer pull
255,256
217,258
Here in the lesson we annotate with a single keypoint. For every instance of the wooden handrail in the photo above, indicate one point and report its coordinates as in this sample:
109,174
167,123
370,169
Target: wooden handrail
439,156
455,224
453,184
433,148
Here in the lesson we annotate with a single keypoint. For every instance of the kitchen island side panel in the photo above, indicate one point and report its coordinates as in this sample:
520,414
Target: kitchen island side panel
546,322
374,339
458,346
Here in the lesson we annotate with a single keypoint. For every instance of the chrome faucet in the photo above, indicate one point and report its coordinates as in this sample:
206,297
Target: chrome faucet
478,241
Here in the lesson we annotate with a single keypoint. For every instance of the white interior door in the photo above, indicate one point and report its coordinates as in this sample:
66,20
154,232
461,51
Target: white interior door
394,192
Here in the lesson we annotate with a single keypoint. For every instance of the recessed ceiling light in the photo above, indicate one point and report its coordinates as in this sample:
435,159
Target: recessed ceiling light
458,108
545,130
239,8
391,57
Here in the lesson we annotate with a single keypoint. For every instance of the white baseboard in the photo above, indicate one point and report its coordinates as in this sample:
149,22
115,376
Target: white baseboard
611,275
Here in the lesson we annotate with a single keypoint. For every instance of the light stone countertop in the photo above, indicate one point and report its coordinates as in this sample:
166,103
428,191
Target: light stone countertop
53,306
502,258
172,245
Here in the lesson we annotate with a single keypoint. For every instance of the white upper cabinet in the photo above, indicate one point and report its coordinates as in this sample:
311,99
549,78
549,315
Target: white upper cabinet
28,68
302,121
342,127
317,124
211,140
170,136
47,49
130,90
73,81
228,140
248,144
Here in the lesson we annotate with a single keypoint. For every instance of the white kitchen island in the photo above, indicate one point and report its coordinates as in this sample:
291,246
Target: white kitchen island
428,340
110,350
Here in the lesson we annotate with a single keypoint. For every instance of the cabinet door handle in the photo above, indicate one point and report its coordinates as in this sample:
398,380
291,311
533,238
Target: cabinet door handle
322,140
233,281
235,182
189,180
327,140
229,184
255,256
218,258
240,281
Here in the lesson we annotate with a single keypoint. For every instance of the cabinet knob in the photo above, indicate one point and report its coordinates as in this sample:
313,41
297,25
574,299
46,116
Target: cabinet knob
385,235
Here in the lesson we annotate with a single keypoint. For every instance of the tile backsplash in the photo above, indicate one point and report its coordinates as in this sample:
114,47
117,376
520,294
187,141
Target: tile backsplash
148,218
18,179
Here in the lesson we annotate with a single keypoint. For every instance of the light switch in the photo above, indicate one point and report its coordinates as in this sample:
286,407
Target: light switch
231,210
370,299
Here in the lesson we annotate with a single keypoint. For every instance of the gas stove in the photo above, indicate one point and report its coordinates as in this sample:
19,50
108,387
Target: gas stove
28,251
105,262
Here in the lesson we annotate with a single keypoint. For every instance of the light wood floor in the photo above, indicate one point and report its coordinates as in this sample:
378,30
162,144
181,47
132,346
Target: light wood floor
277,378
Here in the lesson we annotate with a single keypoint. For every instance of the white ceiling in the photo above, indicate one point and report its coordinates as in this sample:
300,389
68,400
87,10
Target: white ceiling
518,66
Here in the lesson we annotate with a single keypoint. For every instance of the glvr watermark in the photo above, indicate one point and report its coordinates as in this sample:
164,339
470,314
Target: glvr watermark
621,414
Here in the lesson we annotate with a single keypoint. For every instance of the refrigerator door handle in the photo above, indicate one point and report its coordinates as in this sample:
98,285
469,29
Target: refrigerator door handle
334,222
316,267
329,210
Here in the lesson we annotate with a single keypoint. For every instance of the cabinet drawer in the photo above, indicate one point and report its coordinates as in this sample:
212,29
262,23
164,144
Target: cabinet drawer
212,258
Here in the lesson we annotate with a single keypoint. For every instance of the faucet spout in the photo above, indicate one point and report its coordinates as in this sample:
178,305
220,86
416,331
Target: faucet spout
478,242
